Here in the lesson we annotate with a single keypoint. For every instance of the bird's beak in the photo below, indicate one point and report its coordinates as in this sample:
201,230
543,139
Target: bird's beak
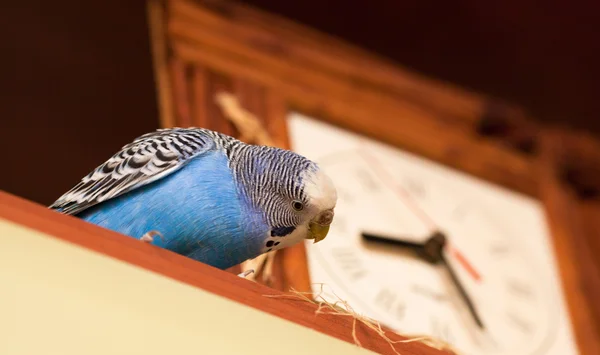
317,232
319,226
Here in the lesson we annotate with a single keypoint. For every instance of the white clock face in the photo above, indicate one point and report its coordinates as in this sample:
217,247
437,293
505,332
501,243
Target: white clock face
497,246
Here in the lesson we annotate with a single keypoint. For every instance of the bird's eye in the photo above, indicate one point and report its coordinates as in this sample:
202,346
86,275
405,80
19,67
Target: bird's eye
298,205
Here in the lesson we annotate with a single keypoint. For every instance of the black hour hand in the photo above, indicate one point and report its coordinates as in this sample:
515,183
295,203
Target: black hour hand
430,250
392,241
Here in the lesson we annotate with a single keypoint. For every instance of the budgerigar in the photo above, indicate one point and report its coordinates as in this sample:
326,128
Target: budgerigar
207,195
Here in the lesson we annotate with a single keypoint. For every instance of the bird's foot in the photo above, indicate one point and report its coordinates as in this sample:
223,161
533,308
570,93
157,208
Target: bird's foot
268,268
246,273
262,264
149,237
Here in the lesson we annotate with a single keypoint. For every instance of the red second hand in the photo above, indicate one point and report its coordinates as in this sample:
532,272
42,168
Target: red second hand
424,217
465,263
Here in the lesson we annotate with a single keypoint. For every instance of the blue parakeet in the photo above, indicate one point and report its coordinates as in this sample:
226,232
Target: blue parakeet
209,196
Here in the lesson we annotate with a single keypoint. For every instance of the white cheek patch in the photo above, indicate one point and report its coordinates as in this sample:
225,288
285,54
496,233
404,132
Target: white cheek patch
275,243
320,190
322,196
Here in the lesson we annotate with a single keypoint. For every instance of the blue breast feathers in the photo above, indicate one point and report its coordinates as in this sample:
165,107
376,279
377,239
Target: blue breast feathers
199,210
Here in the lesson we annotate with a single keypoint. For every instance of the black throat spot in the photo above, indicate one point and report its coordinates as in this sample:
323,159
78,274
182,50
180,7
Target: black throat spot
281,231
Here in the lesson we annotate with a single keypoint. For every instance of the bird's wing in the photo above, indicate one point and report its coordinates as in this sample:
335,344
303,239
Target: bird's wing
146,159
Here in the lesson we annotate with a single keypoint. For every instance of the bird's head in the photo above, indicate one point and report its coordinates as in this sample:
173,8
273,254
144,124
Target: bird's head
294,194
319,204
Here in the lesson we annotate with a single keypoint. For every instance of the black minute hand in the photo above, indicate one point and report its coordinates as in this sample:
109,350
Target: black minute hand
432,251
462,291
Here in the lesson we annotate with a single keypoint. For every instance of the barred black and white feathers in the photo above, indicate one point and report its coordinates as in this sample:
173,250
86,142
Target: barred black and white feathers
146,159
293,196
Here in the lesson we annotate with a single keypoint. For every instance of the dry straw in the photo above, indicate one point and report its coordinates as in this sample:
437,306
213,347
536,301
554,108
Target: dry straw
342,308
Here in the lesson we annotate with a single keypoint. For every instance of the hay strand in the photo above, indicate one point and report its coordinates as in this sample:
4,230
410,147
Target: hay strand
334,308
250,128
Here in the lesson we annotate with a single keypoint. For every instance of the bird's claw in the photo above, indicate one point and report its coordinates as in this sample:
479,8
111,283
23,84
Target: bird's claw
246,273
149,237
264,264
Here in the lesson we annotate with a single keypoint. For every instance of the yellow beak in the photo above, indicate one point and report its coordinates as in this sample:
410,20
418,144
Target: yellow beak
317,231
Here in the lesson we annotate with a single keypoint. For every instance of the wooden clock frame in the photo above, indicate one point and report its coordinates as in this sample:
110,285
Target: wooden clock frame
274,66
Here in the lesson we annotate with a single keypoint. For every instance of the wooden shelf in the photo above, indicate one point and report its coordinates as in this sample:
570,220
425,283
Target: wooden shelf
188,271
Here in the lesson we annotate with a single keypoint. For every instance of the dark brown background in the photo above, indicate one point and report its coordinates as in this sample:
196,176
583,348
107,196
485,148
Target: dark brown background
543,55
76,80
76,83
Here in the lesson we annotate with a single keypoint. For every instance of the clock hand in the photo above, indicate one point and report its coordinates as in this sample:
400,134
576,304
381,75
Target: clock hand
418,247
392,241
440,242
460,258
432,248
463,293
432,251
406,199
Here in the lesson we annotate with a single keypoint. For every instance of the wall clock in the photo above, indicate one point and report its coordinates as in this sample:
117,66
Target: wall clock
498,156
491,288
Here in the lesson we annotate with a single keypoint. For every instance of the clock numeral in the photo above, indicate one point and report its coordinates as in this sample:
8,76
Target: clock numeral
441,331
389,302
414,187
350,263
429,293
519,322
499,250
520,289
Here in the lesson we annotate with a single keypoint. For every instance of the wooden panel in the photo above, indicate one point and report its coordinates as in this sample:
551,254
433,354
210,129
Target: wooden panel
277,108
200,97
252,97
203,84
306,47
181,92
581,164
195,32
582,159
160,61
303,47
219,82
579,275
197,274
589,214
